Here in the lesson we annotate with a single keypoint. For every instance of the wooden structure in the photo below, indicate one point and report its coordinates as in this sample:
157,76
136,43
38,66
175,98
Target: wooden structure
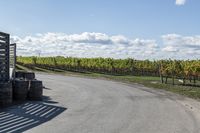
12,62
7,58
4,57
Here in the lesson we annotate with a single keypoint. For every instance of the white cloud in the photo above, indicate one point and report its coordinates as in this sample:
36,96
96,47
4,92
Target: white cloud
180,2
85,45
102,45
182,46
169,49
182,41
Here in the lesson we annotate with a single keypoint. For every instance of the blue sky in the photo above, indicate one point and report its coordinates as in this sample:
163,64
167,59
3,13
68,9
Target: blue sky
133,19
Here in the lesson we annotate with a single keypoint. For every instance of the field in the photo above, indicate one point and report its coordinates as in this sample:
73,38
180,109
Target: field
187,85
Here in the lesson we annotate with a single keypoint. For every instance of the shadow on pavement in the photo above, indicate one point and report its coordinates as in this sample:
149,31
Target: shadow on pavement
22,117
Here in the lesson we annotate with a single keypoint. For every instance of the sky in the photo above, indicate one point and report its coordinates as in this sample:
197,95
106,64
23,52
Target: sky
140,29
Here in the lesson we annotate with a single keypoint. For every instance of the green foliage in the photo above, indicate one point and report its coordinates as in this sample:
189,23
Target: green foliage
171,68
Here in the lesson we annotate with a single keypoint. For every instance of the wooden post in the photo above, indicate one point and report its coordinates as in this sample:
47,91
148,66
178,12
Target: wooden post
161,76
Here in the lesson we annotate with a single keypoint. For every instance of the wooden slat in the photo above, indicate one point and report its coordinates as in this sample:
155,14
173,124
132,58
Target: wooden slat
3,58
2,43
3,68
2,46
2,65
3,34
3,72
3,54
4,39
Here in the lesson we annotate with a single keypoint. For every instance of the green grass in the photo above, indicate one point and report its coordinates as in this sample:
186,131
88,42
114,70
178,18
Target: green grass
152,82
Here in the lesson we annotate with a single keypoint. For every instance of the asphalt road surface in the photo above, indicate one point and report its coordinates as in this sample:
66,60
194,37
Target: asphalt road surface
100,106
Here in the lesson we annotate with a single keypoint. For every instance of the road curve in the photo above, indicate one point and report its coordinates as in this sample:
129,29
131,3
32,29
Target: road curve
100,106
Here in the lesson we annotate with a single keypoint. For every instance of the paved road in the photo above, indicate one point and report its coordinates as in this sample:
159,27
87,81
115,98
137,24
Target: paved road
100,106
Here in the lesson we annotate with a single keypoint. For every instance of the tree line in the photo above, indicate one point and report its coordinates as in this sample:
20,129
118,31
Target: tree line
175,69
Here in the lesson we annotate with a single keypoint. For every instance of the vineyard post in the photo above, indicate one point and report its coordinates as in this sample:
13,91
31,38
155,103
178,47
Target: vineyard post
161,76
172,75
194,79
183,80
166,79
